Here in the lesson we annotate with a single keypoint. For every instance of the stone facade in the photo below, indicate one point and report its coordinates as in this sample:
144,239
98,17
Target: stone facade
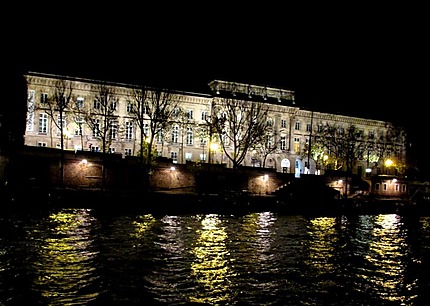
289,120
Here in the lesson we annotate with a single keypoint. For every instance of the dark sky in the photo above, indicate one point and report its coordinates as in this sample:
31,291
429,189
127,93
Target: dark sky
363,60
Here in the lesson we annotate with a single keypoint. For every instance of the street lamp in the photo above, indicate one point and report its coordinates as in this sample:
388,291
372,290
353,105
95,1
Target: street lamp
388,163
213,147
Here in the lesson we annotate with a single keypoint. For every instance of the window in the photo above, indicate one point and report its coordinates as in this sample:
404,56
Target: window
80,102
79,126
127,152
43,98
283,123
97,104
283,143
94,148
297,126
202,157
296,144
377,185
403,188
160,137
320,128
188,156
111,150
41,144
204,116
190,114
174,156
43,123
176,112
61,125
269,122
145,129
308,127
396,187
371,134
384,186
113,105
78,130
129,107
113,129
128,130
96,128
175,134
189,136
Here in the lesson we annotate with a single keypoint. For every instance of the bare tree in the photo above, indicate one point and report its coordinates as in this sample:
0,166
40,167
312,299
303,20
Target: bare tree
238,124
103,121
152,110
56,106
266,143
387,146
101,118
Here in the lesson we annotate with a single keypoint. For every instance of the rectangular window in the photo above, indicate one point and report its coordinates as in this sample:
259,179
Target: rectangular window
111,150
202,157
204,116
188,156
189,136
41,144
296,144
283,143
174,156
396,187
175,134
160,137
61,125
297,126
190,114
145,130
96,128
97,104
176,112
269,122
128,130
283,123
127,152
43,98
113,105
113,130
80,102
78,130
308,127
384,186
129,107
43,123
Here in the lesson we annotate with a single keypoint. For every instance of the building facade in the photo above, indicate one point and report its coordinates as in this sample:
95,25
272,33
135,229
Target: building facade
294,128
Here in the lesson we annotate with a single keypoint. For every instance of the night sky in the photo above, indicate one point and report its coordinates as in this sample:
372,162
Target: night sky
370,62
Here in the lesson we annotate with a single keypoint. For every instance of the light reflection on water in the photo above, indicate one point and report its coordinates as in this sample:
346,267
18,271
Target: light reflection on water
84,257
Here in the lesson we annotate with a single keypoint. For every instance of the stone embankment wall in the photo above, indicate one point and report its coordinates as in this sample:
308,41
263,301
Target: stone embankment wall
41,168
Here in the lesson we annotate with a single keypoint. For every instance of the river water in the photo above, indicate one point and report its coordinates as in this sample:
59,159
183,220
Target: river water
80,256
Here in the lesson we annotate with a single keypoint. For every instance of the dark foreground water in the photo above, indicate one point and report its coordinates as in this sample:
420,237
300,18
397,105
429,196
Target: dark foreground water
89,257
